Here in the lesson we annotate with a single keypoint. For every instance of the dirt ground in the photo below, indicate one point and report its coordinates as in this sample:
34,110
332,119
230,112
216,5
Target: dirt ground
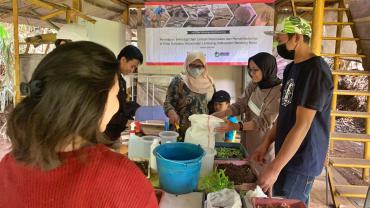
350,150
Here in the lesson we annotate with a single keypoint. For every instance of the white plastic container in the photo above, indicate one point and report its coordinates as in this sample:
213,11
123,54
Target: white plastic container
168,136
147,143
153,160
134,147
208,161
139,147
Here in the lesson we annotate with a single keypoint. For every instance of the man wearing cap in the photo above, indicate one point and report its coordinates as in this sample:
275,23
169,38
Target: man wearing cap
280,38
301,133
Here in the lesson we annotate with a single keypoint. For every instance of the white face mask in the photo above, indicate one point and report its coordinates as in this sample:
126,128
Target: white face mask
195,72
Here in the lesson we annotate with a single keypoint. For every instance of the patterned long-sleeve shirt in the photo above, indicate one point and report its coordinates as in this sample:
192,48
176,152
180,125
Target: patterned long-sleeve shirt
185,102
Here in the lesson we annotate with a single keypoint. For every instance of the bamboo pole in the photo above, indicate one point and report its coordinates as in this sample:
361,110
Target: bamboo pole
77,5
365,173
126,16
68,16
136,6
317,26
53,14
16,52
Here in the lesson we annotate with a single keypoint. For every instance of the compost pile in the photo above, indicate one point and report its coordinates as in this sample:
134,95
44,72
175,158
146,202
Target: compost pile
352,103
239,174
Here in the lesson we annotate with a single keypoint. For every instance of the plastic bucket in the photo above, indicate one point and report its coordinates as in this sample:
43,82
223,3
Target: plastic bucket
208,161
178,166
168,136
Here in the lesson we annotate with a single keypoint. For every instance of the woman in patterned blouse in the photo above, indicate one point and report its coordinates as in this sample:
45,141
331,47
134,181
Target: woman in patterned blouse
189,92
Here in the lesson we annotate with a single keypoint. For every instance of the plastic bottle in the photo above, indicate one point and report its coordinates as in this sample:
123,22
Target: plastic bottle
132,142
153,161
132,129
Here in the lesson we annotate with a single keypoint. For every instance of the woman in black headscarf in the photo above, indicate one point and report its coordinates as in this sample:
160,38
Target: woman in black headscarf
259,103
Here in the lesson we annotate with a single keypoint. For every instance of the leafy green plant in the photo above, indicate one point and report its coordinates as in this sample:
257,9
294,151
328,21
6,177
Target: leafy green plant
225,152
6,69
216,181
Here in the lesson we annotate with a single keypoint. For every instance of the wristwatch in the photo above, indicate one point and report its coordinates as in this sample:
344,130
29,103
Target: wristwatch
240,126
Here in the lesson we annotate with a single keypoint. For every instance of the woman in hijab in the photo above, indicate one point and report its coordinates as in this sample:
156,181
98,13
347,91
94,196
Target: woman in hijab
259,104
189,92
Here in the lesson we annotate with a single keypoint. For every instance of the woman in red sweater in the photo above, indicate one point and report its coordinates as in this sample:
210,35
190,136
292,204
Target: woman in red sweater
58,156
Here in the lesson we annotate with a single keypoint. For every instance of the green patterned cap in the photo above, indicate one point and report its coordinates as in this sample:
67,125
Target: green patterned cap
297,25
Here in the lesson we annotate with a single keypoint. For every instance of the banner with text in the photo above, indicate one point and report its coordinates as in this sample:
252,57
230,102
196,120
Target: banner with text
228,32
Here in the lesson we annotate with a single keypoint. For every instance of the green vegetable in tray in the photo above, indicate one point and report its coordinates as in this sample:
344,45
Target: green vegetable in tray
216,181
225,152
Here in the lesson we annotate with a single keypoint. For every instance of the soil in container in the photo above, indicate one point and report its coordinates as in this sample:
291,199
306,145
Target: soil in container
143,165
239,174
226,153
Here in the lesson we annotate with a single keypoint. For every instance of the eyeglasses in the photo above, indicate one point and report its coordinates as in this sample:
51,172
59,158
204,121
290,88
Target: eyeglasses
196,66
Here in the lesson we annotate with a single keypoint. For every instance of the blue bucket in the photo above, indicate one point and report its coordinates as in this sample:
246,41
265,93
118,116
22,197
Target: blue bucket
178,166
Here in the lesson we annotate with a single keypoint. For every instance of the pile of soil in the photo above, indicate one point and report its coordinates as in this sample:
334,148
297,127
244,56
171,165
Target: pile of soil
143,165
352,103
239,174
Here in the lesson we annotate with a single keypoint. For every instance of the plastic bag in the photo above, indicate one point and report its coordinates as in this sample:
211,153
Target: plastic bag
227,198
202,130
255,193
193,200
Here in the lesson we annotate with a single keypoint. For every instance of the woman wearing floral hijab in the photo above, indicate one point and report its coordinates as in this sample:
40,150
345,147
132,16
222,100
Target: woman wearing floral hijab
189,92
259,103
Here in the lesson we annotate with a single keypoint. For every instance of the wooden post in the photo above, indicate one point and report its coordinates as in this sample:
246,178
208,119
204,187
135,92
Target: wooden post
317,26
68,16
126,16
76,4
365,173
16,52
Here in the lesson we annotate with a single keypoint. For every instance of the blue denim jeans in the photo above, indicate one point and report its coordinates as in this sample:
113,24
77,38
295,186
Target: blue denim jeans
293,186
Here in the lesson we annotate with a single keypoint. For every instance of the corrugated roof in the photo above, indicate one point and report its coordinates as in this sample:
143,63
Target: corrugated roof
30,13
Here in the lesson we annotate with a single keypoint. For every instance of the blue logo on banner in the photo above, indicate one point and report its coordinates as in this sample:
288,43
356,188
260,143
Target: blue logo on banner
218,54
